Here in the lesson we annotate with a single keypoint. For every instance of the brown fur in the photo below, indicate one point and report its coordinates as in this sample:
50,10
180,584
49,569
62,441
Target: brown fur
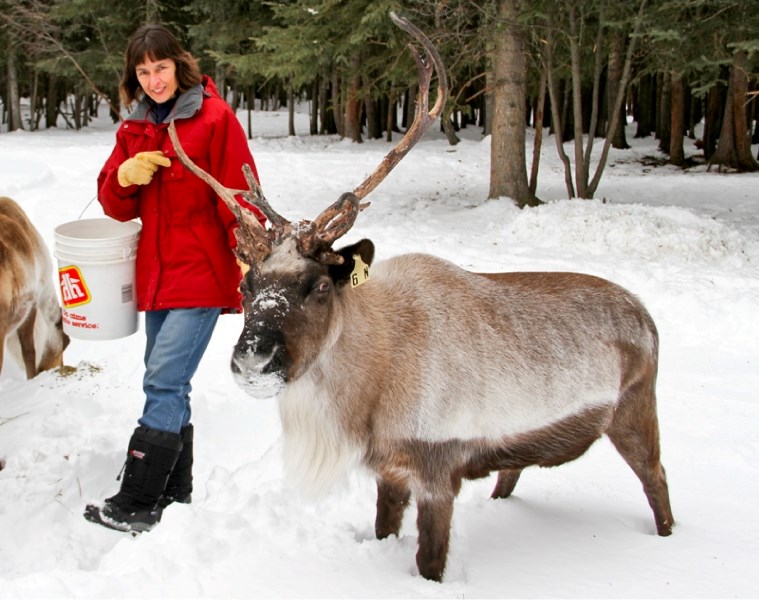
28,301
429,375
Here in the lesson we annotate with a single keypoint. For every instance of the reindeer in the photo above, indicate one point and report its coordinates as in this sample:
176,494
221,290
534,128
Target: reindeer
30,316
428,374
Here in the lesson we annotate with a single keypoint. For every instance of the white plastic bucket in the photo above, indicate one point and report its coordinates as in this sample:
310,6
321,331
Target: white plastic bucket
96,269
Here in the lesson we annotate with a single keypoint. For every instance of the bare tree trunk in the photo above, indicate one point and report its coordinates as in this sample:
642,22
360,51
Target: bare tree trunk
558,126
390,118
86,109
695,114
713,119
616,64
538,143
372,130
236,97
313,123
734,146
152,11
251,105
566,115
51,106
290,111
14,100
409,105
645,106
581,171
76,111
677,120
353,111
326,108
487,128
508,175
34,114
664,118
597,68
448,129
219,79
337,104
593,186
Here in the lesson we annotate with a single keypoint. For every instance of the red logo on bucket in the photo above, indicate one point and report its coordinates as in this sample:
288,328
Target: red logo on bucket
74,290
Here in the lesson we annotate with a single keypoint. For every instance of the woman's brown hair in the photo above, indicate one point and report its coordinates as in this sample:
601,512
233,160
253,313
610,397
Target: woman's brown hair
155,42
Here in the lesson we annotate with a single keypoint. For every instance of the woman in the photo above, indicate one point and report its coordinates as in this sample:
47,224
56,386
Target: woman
187,274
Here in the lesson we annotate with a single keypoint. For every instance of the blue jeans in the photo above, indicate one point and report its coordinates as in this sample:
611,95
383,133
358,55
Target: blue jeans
176,341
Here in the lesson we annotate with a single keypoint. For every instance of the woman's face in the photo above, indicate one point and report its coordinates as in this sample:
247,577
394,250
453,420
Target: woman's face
158,78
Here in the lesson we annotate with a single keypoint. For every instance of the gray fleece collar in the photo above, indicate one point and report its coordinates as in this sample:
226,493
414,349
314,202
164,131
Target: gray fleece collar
188,104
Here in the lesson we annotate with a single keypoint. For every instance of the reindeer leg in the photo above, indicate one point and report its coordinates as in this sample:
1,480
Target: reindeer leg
433,521
392,500
635,434
645,463
507,480
25,333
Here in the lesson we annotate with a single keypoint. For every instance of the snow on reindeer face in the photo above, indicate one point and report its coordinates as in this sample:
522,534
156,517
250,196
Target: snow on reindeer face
288,305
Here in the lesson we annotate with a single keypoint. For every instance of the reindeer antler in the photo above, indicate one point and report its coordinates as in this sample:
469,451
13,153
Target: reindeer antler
315,238
424,117
334,222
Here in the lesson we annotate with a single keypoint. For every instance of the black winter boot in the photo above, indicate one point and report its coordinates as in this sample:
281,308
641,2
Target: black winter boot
151,457
179,486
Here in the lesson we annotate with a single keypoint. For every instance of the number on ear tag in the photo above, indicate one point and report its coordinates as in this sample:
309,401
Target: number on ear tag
360,272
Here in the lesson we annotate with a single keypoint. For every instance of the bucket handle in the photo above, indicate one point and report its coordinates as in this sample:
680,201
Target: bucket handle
125,253
86,206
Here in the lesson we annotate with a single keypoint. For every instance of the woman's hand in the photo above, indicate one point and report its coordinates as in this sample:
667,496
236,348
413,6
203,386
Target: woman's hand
139,169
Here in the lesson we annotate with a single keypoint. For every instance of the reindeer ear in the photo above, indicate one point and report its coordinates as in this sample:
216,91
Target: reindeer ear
364,248
341,274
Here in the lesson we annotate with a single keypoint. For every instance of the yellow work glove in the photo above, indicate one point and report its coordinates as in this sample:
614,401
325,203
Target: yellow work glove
139,169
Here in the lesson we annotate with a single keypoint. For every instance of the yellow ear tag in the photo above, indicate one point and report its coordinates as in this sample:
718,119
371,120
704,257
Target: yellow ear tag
360,272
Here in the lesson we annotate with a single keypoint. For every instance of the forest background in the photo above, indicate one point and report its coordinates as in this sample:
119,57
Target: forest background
572,66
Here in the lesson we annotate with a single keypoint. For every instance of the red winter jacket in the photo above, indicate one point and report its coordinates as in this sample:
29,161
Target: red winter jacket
184,257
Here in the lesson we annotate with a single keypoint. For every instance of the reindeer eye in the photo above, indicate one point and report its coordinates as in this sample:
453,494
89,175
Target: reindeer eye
322,287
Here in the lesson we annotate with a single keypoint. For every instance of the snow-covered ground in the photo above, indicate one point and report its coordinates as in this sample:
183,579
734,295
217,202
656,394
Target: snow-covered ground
686,242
